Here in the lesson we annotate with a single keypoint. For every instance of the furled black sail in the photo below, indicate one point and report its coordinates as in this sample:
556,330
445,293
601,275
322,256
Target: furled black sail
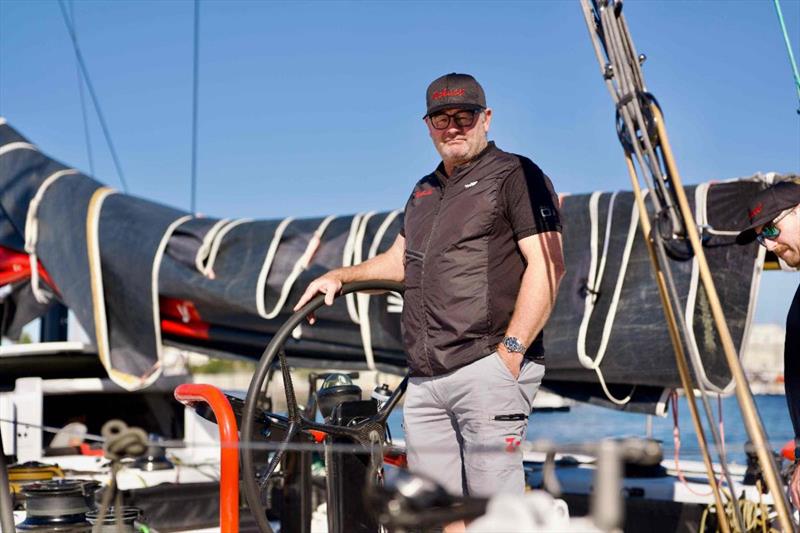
138,274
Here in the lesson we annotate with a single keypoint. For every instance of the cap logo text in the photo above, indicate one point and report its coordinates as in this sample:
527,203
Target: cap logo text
753,213
445,93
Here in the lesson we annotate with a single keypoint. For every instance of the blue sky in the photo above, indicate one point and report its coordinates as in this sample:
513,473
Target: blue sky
310,108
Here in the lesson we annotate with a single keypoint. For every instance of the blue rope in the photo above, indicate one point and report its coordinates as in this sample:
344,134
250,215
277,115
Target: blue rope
789,49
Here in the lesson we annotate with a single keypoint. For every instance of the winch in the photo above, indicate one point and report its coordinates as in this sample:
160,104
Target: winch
156,457
128,518
58,505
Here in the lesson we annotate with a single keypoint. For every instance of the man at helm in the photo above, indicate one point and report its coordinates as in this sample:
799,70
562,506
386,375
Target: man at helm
480,255
774,215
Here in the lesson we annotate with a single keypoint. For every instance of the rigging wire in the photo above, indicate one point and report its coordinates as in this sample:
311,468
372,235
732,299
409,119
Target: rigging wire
788,49
93,94
676,443
195,87
86,134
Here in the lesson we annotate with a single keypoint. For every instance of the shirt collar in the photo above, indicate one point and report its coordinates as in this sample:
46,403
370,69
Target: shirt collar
459,170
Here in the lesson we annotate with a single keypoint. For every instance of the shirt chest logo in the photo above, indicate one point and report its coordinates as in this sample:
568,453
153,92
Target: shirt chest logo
471,184
423,193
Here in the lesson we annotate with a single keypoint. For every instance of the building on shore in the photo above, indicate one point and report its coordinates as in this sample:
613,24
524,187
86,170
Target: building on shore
763,358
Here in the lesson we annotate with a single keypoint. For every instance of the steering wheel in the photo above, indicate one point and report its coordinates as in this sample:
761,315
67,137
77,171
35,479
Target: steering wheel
366,432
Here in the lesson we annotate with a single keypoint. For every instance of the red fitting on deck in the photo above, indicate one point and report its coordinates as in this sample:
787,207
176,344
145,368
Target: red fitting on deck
229,453
788,450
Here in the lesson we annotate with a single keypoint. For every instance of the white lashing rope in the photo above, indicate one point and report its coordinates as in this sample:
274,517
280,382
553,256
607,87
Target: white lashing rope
19,145
32,231
691,297
358,249
154,271
205,248
363,298
357,304
594,283
270,257
208,270
347,259
96,280
352,256
701,216
382,229
299,266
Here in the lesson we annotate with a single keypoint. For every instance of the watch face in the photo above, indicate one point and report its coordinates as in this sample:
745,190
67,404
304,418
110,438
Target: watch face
513,345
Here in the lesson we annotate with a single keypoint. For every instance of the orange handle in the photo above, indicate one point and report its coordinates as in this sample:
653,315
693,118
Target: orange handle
229,452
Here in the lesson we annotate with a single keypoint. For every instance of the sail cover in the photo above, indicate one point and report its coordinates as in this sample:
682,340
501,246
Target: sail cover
138,274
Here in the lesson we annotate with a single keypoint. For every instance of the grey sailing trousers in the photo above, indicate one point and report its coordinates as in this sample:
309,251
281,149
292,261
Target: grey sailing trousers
464,428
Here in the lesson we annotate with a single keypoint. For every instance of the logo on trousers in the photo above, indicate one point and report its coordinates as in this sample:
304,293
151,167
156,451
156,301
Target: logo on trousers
512,443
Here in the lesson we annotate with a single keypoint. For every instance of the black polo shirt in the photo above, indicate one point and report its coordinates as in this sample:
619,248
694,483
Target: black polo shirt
463,267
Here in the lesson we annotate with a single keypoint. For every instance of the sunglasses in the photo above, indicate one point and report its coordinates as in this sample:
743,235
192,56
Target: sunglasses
771,231
463,119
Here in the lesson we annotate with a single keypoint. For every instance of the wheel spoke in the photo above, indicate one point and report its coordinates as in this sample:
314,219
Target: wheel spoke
288,386
276,458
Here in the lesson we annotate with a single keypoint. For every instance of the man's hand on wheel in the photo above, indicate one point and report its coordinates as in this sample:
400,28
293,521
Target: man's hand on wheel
329,285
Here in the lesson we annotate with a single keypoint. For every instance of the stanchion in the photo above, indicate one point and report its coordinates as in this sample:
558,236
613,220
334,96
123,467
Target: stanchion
189,393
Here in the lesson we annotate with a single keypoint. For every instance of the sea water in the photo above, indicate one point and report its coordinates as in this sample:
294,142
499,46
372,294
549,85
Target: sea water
584,422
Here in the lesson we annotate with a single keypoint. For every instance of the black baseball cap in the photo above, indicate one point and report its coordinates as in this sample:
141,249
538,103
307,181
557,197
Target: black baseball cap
768,204
454,90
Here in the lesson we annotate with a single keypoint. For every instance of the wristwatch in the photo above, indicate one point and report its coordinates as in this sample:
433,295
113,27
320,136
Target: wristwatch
514,345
